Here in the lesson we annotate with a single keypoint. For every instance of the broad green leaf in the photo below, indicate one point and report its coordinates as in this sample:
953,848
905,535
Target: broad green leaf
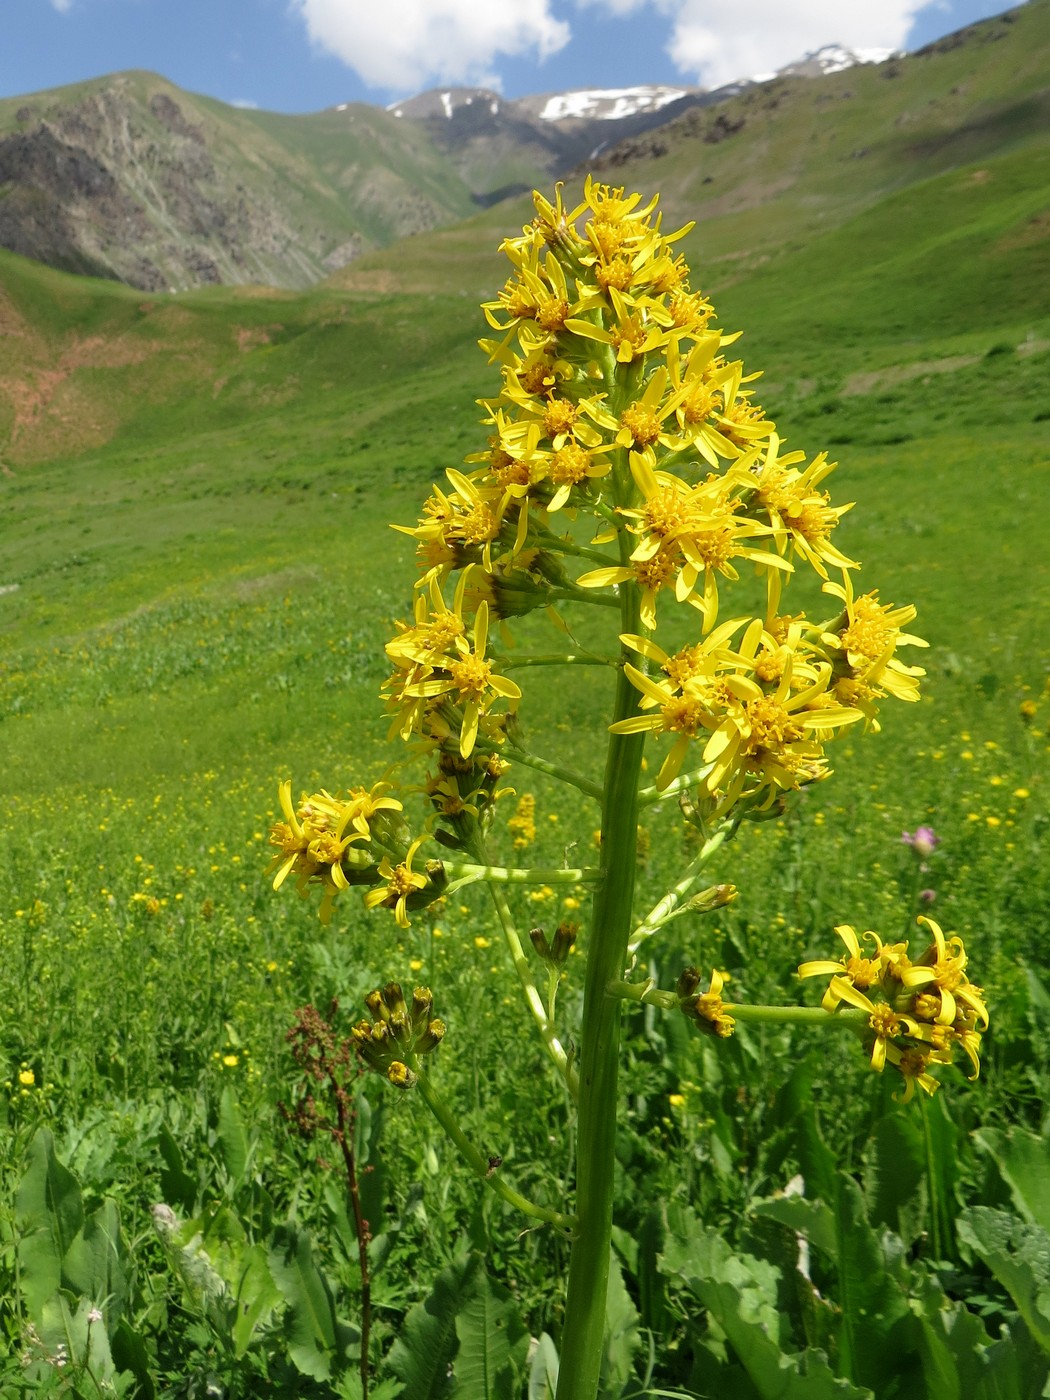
84,1339
233,1139
423,1353
1023,1161
94,1263
740,1294
49,1214
1018,1254
895,1180
255,1296
493,1343
622,1338
812,1219
310,1324
941,1139
176,1184
543,1373
872,1301
130,1356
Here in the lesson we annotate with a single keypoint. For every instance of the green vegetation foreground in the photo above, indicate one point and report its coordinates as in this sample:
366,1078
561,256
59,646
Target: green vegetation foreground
150,978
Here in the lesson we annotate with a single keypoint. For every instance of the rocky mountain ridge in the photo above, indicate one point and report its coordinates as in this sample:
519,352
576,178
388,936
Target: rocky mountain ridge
130,178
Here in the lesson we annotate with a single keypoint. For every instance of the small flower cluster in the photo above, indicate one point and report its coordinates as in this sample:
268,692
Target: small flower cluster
359,839
918,1011
398,1034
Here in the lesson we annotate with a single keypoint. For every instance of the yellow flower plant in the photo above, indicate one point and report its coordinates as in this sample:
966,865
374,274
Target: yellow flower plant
630,471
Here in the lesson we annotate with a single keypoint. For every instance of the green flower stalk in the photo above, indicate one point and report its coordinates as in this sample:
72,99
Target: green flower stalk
630,471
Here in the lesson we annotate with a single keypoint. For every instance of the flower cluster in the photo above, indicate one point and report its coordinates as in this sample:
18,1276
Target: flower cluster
918,1011
398,1034
338,841
621,402
618,399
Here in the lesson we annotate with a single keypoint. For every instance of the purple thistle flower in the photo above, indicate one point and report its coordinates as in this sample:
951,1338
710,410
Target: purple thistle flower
923,841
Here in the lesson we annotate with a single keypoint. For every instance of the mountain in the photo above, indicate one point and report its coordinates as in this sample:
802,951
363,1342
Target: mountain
132,179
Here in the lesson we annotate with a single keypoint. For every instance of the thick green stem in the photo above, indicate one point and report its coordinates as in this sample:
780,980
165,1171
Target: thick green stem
483,1169
583,1333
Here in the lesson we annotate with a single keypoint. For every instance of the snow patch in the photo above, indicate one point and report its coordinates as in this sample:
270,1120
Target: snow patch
446,102
608,104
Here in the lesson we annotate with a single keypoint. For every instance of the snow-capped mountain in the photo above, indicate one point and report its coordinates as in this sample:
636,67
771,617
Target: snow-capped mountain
832,58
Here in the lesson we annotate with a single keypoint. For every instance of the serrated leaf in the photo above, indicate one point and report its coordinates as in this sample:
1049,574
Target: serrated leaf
49,1214
423,1353
740,1293
493,1342
1018,1254
813,1219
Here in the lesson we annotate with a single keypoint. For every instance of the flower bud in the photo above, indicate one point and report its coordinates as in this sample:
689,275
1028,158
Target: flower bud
539,942
564,938
400,1075
431,1038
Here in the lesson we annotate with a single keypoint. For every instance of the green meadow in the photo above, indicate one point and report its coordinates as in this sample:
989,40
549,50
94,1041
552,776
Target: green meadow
197,580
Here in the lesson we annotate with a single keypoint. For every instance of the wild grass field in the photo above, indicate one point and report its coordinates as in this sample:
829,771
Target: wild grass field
196,585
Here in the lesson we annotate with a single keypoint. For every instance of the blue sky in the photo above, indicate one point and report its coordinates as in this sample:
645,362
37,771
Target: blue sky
302,55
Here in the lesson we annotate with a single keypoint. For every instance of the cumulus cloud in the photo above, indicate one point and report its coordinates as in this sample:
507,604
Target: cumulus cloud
714,44
403,45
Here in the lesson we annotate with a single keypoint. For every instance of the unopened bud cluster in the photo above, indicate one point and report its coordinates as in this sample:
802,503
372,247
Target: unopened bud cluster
398,1033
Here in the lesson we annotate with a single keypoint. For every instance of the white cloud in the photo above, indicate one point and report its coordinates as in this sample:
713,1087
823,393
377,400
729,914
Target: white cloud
62,6
404,45
717,43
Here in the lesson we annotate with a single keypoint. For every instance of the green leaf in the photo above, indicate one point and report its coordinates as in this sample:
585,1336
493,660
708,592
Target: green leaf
311,1327
493,1342
812,1219
233,1139
543,1373
255,1297
872,1301
1018,1254
740,1293
130,1356
1023,1161
423,1353
622,1338
93,1266
176,1184
895,1180
49,1214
